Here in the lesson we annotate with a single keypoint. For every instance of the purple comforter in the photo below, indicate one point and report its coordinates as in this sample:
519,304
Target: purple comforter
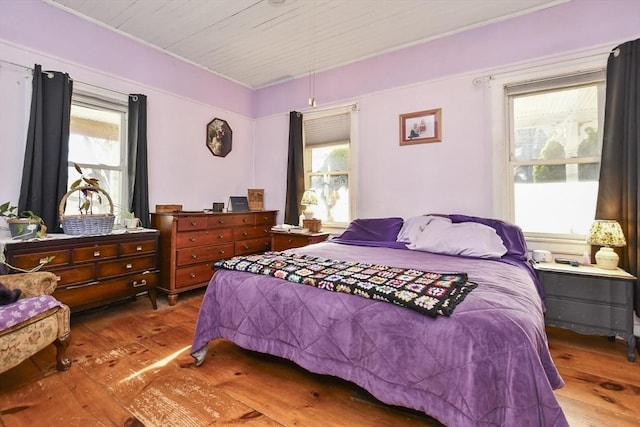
487,364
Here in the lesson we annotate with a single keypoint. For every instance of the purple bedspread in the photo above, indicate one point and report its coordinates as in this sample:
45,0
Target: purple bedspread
487,364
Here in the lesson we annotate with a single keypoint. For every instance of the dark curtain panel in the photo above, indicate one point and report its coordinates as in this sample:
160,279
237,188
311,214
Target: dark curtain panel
44,173
619,179
295,170
138,169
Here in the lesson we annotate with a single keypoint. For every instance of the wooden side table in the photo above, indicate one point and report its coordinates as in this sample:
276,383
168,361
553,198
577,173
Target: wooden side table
589,300
281,241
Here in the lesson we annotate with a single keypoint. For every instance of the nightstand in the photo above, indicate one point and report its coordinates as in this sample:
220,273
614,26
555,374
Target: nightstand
281,241
589,300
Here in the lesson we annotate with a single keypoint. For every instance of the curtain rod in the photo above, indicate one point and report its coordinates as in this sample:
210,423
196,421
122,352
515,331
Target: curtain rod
50,75
354,107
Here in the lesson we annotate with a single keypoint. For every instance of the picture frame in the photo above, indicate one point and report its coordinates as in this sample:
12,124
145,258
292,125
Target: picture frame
421,127
219,137
256,199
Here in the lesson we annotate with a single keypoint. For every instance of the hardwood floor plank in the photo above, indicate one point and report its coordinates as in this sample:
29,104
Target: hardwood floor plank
131,367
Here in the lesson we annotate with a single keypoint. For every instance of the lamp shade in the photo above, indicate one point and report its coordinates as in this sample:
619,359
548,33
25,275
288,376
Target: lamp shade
606,233
309,198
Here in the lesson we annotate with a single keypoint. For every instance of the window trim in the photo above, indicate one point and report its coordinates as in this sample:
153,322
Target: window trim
502,185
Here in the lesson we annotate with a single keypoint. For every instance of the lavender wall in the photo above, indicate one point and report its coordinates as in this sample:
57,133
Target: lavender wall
182,99
454,175
577,24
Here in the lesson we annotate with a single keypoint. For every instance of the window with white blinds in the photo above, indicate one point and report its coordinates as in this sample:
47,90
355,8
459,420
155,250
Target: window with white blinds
328,143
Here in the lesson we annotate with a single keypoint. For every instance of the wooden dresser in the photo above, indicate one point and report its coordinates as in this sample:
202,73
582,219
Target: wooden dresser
93,270
191,241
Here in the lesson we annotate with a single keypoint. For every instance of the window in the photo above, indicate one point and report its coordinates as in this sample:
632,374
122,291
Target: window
98,144
328,164
555,143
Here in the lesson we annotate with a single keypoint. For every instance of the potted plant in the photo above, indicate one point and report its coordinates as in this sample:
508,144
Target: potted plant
129,219
25,225
87,223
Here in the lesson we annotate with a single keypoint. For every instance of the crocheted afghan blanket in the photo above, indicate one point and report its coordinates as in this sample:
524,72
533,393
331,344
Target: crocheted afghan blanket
428,293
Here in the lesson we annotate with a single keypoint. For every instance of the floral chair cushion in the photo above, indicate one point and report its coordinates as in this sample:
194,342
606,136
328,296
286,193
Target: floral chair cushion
25,309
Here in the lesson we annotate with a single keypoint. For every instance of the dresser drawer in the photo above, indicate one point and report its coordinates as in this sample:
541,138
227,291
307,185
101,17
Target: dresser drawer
125,266
585,288
265,218
283,242
252,246
94,253
193,274
97,293
204,253
202,238
138,248
585,317
236,220
28,261
74,275
192,223
245,233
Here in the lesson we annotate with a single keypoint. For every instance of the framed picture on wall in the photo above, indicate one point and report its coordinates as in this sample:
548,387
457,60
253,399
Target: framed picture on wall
421,127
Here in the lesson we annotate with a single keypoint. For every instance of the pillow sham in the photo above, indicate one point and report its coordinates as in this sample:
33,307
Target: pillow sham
466,238
413,227
373,229
511,235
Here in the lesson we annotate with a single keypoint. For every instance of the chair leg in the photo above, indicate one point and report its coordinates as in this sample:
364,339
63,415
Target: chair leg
62,361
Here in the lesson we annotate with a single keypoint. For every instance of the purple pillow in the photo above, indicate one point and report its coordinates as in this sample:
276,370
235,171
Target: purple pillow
373,229
511,235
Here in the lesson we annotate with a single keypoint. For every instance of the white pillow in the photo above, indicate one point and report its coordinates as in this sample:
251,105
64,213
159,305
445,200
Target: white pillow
464,238
413,227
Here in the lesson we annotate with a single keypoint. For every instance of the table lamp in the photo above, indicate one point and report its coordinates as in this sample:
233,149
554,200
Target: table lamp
309,198
606,233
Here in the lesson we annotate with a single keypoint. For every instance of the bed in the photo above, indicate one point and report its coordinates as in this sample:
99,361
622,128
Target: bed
483,362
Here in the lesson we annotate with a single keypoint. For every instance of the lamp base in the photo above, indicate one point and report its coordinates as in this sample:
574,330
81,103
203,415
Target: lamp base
607,259
308,214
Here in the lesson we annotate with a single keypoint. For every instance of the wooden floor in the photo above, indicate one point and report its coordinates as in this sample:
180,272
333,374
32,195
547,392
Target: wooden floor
131,367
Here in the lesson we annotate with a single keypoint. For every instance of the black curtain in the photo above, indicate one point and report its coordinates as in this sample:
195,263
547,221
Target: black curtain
619,179
45,173
295,170
138,169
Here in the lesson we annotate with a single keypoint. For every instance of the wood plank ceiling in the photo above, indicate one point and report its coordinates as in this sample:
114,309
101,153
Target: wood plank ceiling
262,42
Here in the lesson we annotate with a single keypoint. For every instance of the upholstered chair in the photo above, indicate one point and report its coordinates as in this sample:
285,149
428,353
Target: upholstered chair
34,321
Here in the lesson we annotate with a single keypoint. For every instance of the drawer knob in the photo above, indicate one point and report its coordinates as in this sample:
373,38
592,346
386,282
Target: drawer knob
245,246
244,233
138,248
58,278
221,251
194,223
194,256
290,241
192,275
244,219
192,239
128,266
220,236
221,221
137,284
96,253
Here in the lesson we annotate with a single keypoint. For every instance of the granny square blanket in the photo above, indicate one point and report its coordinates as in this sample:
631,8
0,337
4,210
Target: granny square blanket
26,308
428,293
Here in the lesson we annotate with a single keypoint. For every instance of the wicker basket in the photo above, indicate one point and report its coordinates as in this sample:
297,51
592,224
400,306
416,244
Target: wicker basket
88,224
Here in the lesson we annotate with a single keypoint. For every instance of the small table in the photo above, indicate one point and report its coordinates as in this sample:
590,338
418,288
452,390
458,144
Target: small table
589,300
281,240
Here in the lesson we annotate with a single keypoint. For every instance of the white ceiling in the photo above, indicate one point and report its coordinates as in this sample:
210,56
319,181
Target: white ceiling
262,42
